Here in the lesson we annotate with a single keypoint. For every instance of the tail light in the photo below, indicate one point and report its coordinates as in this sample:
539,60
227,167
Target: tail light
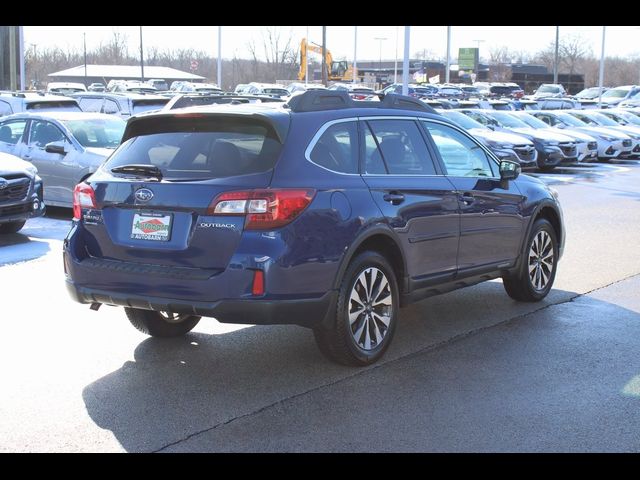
257,288
83,197
264,209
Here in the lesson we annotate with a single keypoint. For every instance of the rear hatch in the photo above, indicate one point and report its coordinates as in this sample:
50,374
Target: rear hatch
153,197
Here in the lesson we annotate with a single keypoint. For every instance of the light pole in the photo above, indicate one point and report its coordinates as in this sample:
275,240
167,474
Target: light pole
306,61
555,61
219,56
395,63
141,58
354,69
601,74
380,39
405,61
447,73
84,42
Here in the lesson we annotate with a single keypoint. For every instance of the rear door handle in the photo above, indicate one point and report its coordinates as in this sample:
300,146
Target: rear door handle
467,198
394,198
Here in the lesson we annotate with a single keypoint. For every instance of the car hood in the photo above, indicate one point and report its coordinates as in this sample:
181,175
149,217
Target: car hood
10,164
543,134
502,137
611,132
574,134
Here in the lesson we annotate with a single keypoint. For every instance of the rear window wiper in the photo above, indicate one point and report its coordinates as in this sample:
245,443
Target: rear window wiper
143,170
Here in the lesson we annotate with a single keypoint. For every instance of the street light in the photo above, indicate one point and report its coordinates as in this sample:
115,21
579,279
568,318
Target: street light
380,39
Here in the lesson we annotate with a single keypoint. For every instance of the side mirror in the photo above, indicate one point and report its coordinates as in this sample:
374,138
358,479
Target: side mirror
55,147
561,125
509,170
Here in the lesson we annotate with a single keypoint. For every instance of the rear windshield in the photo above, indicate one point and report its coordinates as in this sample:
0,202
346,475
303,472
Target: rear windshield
58,106
199,149
146,105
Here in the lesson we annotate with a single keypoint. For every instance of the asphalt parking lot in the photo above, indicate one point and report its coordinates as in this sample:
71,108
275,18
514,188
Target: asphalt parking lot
471,370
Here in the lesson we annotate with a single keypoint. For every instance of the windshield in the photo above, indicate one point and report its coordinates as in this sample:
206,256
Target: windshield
508,120
548,89
97,132
146,105
200,148
629,117
463,120
532,121
571,120
60,106
588,93
603,119
616,93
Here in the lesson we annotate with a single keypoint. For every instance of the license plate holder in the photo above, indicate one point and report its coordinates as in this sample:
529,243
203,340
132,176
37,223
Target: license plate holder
153,226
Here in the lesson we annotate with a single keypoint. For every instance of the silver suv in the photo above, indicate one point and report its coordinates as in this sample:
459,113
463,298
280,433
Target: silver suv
18,102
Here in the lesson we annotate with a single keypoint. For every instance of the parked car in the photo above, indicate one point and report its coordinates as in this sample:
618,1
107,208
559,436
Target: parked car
96,87
293,87
131,86
419,91
586,145
511,90
271,89
615,96
355,91
184,100
632,101
26,102
548,90
197,87
268,216
591,93
65,147
20,192
121,104
505,146
65,88
159,84
559,104
611,144
596,118
552,148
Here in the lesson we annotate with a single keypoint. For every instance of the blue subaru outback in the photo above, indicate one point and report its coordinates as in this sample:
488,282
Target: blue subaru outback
325,212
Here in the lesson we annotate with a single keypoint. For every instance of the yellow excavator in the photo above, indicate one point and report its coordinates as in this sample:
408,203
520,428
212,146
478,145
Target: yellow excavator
340,70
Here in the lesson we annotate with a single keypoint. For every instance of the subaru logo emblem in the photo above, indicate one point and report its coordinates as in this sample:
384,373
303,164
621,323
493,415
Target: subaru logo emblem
144,194
3,183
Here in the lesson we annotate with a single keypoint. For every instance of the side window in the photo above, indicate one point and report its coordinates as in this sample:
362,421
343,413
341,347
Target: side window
5,109
43,132
11,132
462,157
91,104
546,119
110,106
337,148
399,146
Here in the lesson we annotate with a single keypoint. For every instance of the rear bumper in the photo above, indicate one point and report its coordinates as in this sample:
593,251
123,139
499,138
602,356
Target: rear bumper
306,312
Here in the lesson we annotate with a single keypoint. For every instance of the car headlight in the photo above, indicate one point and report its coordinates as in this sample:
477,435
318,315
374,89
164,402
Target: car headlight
552,144
607,138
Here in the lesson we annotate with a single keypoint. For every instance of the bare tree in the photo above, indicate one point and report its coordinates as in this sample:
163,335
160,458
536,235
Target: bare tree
571,50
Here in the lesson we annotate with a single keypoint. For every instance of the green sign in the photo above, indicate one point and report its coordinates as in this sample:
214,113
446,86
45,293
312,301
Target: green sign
468,59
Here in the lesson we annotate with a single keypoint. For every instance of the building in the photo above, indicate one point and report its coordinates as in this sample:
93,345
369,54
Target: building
10,64
105,73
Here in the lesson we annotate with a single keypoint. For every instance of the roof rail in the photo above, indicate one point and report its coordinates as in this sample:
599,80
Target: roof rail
319,100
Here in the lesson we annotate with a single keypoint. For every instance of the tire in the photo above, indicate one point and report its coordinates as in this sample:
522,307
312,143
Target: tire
533,287
161,324
363,340
12,227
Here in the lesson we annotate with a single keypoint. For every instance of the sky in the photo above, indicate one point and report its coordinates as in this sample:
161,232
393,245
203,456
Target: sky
373,42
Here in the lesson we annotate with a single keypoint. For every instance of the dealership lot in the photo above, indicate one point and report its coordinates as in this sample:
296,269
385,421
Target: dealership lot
471,370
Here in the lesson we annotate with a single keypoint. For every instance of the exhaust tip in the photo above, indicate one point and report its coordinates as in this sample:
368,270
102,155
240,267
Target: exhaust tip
95,306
